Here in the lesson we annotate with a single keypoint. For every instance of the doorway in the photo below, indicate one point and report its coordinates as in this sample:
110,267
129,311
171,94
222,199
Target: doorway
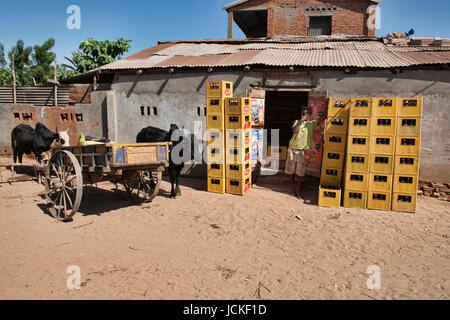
281,111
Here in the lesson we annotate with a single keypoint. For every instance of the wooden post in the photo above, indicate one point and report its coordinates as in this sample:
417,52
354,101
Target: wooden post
230,25
14,80
56,86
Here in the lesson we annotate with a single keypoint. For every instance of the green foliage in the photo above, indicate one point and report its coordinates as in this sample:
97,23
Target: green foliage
64,72
37,62
5,78
93,54
43,59
2,56
22,62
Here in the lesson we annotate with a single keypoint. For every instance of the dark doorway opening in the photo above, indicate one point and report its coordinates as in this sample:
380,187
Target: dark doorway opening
319,26
252,22
282,109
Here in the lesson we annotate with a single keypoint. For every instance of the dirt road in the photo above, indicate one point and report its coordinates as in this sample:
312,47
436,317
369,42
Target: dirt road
208,246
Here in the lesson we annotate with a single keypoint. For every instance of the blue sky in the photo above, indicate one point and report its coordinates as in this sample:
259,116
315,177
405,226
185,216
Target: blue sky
147,21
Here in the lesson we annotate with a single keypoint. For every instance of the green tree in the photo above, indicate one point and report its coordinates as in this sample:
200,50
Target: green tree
93,54
5,73
22,63
43,59
2,56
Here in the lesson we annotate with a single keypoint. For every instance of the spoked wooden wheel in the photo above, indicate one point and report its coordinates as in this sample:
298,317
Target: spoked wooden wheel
63,185
145,186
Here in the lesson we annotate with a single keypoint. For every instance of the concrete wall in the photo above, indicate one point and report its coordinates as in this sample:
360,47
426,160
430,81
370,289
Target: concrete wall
177,97
86,118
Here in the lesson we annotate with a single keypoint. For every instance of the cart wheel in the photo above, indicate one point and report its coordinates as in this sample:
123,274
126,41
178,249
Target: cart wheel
63,185
145,185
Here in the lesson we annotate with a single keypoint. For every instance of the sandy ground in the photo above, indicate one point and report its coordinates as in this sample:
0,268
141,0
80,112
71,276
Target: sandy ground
209,246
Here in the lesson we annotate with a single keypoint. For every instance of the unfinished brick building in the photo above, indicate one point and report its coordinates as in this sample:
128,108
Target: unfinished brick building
269,18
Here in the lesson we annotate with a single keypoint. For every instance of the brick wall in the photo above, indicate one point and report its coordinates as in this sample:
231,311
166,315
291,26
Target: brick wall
291,17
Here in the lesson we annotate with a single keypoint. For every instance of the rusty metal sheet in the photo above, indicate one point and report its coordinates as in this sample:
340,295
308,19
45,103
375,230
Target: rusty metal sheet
201,49
321,51
422,58
237,59
309,58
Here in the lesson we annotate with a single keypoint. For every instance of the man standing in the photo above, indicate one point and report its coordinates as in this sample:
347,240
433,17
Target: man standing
301,141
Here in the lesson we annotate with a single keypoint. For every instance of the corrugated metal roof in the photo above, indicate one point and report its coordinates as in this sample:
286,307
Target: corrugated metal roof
328,52
309,58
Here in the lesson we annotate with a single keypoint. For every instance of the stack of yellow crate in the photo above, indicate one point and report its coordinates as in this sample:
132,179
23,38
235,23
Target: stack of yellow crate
216,93
238,112
330,192
382,153
358,153
407,154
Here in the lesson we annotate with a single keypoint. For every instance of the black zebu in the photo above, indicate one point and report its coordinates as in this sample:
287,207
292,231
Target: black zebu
152,134
26,140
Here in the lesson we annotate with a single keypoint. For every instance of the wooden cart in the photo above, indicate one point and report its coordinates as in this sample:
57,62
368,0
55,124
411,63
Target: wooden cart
138,167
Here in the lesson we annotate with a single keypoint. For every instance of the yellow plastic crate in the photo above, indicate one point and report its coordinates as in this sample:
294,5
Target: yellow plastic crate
338,107
338,125
356,181
239,171
215,121
216,170
358,144
331,176
239,106
215,138
407,146
330,196
381,163
216,185
335,142
379,201
409,126
238,187
355,199
333,159
406,165
237,155
215,155
384,126
277,153
215,105
221,89
411,107
404,202
237,138
235,121
384,107
357,162
382,145
381,182
360,107
404,183
360,126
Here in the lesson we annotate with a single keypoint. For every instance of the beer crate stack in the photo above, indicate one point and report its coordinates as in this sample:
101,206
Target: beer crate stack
358,153
330,191
216,94
238,130
382,151
407,154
